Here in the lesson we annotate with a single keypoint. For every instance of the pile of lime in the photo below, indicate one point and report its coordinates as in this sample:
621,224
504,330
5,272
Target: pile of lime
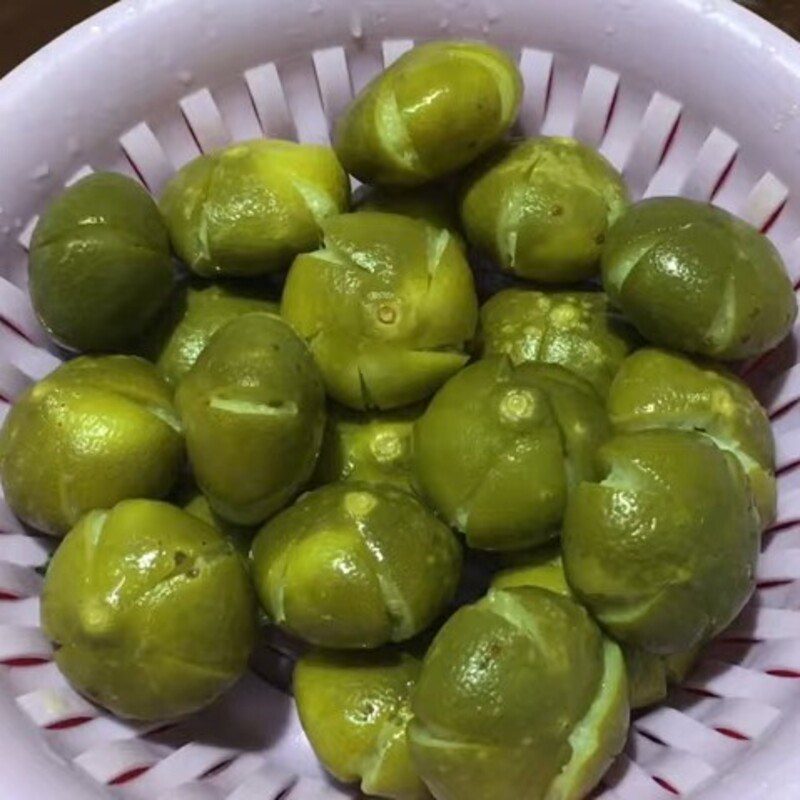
290,399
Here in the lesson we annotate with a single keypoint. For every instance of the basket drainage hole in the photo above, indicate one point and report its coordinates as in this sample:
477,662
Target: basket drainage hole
732,734
127,777
783,673
33,661
217,769
66,724
666,785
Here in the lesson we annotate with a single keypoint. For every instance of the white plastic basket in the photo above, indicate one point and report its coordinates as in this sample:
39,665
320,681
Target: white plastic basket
692,97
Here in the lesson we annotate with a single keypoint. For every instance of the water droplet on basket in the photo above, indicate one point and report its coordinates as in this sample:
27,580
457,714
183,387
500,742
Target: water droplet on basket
41,172
356,28
315,9
185,77
96,30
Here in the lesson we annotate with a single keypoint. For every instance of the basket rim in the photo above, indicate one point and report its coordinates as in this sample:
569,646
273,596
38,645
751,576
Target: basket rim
771,769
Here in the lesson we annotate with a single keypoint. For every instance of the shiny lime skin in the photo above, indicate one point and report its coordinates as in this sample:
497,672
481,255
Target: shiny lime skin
196,314
663,549
240,536
434,204
355,565
695,278
100,264
253,408
387,308
500,449
647,673
354,708
98,430
151,610
659,389
368,447
431,113
577,330
520,698
542,208
249,209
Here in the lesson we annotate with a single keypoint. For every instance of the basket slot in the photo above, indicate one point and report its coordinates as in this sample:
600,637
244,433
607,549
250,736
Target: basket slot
333,78
778,657
20,612
395,48
23,642
233,774
50,707
204,118
629,781
147,156
683,733
715,157
737,186
596,105
186,764
20,680
176,138
537,71
680,771
18,581
269,101
779,564
765,623
566,86
642,748
791,257
738,717
265,783
782,391
783,595
658,126
765,201
364,62
729,680
302,95
237,111
787,538
787,509
680,153
108,761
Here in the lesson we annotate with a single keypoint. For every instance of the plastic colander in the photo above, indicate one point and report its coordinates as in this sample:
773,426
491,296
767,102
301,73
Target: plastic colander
692,97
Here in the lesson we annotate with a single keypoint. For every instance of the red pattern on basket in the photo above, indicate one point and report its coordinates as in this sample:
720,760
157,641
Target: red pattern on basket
130,775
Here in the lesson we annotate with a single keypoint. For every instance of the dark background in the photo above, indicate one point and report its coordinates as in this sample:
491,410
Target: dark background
26,25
